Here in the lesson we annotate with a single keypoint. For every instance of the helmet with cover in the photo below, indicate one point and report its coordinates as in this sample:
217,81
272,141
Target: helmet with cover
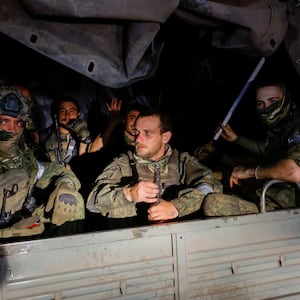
14,103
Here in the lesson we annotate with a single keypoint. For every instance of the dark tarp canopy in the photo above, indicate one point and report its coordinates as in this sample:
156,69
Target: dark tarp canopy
197,51
118,42
113,42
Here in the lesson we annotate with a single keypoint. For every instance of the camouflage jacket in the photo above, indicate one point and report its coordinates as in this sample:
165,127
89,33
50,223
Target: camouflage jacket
49,145
180,170
283,140
18,180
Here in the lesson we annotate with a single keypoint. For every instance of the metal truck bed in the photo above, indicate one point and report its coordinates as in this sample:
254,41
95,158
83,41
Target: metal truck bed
245,257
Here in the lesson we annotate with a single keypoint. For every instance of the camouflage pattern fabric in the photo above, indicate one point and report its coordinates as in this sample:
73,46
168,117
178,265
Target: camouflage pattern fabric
13,192
26,227
205,151
107,195
53,174
283,143
280,196
20,172
80,128
62,176
67,204
280,142
218,205
13,103
67,153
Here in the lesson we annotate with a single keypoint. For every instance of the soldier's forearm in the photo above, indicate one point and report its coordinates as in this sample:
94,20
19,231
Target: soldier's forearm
250,145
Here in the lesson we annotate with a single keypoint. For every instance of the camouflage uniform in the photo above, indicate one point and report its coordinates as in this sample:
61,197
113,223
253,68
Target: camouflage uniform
283,142
52,149
181,176
63,147
79,133
21,173
107,195
227,205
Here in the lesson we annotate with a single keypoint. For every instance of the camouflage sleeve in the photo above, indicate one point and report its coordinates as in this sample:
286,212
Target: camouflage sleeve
293,151
294,154
57,174
107,195
194,173
51,174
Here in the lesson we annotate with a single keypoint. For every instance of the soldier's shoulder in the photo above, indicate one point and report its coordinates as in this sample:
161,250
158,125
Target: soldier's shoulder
45,134
29,157
121,160
184,155
123,157
187,158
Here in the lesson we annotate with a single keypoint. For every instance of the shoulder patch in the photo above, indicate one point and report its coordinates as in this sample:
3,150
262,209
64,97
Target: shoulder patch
294,140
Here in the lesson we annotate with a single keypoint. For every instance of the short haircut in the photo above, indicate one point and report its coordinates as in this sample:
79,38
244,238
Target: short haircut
270,82
126,108
166,123
64,98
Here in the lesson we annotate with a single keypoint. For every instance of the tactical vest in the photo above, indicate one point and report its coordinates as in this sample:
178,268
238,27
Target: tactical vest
66,154
9,161
13,193
169,170
282,137
16,186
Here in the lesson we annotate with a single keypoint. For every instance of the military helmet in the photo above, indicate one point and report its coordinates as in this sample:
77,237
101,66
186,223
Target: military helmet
14,103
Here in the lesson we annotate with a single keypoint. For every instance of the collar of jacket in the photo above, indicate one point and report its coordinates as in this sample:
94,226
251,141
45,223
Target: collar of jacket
162,161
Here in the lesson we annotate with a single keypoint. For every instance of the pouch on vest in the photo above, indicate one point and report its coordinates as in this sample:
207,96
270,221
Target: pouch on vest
13,193
25,227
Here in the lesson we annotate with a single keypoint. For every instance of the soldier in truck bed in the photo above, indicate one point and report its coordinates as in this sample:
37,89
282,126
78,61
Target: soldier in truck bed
21,173
279,153
157,183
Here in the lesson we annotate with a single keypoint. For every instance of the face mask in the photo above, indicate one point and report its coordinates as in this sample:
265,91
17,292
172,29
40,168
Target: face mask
6,135
276,112
11,137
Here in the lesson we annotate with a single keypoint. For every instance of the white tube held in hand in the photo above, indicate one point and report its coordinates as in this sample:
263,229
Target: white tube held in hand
240,96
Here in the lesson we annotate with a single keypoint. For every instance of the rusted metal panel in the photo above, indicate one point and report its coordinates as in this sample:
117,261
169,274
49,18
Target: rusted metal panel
246,257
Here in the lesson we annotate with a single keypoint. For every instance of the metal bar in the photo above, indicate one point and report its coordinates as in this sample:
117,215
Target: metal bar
263,194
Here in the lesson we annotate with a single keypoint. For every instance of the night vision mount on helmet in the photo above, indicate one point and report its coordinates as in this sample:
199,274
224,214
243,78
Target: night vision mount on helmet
13,103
